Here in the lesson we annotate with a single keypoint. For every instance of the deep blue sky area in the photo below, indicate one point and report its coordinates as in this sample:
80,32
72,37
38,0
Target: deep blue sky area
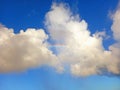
23,14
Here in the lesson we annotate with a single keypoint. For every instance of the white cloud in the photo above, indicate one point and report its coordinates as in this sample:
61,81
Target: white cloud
24,50
116,25
82,52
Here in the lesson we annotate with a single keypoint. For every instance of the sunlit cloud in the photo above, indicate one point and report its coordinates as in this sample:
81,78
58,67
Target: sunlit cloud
82,52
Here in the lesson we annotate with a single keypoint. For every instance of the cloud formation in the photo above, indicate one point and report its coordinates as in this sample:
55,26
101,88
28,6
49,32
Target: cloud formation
82,52
24,50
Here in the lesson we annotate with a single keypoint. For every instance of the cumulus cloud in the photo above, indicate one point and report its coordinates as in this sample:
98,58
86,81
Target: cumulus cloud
115,26
83,52
24,50
80,50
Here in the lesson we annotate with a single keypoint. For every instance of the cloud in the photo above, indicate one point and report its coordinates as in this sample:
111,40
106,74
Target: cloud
24,50
116,24
82,52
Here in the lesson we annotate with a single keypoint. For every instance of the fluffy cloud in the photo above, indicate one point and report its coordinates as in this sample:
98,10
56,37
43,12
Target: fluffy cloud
116,24
82,52
24,50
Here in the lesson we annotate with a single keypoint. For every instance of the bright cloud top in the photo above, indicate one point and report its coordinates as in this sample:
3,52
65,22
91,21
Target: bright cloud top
82,52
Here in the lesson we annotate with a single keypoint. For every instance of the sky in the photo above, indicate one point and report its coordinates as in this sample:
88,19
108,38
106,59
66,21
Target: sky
59,45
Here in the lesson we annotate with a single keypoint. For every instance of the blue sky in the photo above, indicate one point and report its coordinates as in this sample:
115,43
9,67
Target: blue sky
23,14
